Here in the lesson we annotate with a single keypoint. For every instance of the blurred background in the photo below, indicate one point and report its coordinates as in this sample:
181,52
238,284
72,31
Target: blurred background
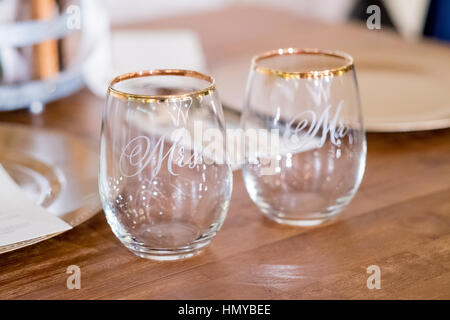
408,17
50,49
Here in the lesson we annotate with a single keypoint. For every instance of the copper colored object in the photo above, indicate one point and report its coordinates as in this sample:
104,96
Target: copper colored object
45,54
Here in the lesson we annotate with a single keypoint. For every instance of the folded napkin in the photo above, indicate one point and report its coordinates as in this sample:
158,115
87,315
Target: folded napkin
20,218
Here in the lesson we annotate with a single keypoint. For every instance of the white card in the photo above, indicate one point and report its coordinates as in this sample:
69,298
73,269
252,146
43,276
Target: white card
136,50
20,218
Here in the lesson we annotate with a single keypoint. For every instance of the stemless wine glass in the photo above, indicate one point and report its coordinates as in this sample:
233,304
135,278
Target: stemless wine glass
309,101
165,182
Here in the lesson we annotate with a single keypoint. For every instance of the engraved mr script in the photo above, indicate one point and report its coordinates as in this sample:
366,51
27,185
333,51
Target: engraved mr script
312,127
309,128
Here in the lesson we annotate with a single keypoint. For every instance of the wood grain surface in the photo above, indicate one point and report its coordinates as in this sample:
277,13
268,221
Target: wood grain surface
399,219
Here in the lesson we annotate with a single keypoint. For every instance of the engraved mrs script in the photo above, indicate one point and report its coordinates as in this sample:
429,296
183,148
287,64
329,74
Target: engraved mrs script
134,158
138,152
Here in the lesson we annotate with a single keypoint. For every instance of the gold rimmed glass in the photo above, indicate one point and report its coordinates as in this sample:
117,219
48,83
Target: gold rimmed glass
165,183
308,100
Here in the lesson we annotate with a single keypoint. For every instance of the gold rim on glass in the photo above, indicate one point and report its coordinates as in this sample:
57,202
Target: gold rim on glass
161,72
313,74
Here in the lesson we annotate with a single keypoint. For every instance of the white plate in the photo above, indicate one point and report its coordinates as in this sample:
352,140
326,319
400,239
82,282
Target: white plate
399,92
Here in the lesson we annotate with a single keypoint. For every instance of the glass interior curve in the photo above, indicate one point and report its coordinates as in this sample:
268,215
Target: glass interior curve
303,61
161,83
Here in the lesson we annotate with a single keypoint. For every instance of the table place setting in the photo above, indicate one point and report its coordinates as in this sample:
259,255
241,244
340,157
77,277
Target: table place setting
165,175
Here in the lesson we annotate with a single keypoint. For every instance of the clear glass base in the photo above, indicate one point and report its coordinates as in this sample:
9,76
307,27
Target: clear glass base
305,219
168,254
302,209
301,222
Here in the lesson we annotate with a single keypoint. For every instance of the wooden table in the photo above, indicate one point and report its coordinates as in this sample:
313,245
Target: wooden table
399,219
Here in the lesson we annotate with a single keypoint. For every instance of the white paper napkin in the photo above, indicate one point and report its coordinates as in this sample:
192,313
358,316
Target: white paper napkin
20,218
